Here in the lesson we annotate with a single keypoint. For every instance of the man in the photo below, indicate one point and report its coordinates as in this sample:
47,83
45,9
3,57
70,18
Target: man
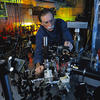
56,30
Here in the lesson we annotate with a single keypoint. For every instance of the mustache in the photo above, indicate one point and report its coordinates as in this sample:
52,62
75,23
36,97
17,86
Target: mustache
51,27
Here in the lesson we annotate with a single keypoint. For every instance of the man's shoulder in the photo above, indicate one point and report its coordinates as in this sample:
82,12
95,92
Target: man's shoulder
59,20
40,30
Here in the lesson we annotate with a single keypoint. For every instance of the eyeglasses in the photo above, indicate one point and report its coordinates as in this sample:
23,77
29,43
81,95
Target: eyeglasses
47,22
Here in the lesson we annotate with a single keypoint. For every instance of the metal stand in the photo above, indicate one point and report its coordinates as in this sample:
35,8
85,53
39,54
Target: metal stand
77,39
77,26
5,81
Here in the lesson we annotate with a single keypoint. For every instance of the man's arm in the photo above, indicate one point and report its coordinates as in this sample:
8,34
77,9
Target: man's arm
67,35
38,58
38,51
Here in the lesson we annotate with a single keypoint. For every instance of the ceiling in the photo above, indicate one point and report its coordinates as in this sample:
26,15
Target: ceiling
44,3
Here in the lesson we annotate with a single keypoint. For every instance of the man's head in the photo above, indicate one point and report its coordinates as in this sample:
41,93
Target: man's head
46,18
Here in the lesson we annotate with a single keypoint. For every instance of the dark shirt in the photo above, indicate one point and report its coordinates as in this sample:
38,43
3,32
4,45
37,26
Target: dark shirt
60,34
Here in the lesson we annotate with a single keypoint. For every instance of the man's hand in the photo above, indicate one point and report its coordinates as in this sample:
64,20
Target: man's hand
69,44
39,69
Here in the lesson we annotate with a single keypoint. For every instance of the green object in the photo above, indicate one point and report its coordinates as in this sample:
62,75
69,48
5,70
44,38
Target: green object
3,10
11,1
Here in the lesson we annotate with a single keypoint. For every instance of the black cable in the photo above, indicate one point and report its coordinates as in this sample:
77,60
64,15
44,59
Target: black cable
88,74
